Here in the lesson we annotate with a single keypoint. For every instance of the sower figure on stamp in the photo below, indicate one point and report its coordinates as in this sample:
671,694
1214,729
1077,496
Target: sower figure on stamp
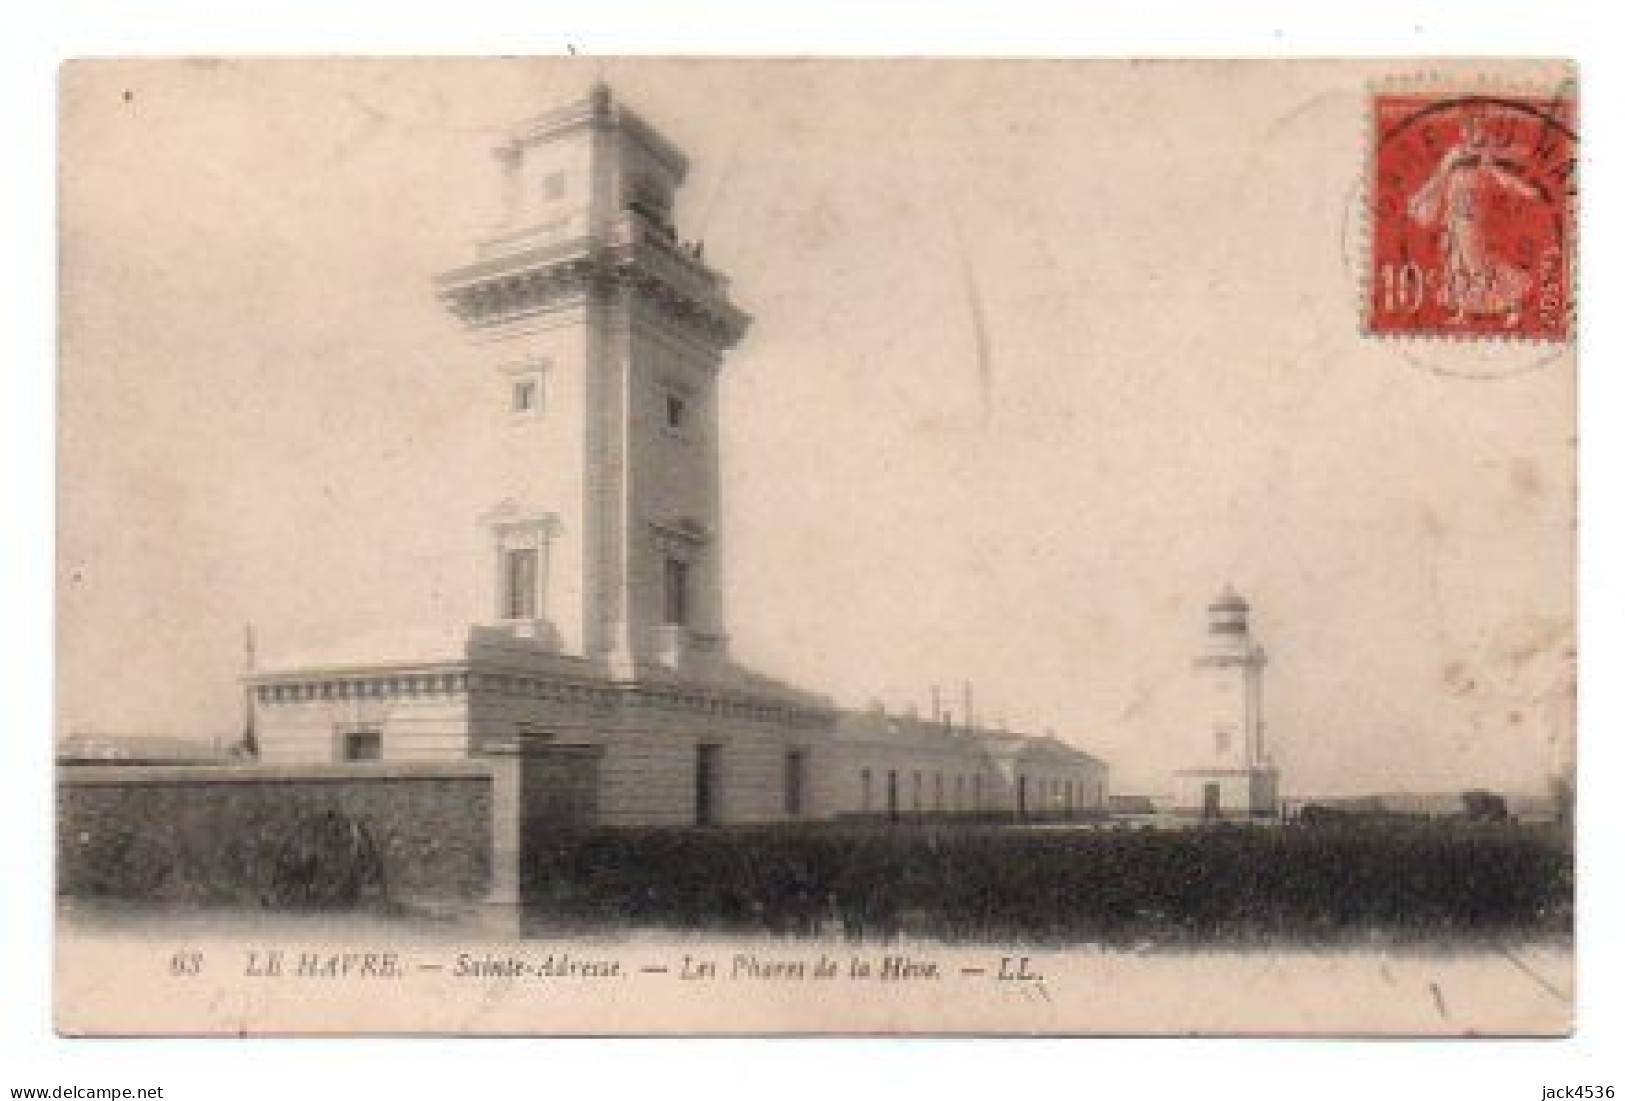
1476,283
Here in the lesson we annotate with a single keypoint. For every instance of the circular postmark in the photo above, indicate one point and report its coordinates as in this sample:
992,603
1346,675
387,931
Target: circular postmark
1466,229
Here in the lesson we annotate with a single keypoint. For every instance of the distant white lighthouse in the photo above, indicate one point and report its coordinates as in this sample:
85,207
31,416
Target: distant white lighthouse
1230,774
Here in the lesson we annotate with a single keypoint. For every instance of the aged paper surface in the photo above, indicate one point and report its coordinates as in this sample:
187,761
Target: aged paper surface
810,546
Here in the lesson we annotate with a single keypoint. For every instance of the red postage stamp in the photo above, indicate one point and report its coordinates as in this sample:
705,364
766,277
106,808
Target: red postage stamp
1471,207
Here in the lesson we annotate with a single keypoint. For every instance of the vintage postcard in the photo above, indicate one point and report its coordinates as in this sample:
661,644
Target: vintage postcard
817,547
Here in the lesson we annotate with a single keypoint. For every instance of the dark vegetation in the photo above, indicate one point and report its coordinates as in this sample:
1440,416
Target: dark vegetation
1325,883
1337,878
280,845
324,862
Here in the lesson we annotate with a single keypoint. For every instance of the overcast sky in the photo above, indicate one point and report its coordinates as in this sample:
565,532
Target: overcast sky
267,417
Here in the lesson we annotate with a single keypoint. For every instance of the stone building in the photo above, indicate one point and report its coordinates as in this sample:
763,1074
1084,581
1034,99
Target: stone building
601,333
1231,775
902,767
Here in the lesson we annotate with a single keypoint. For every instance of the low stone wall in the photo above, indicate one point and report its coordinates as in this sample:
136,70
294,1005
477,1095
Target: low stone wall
273,835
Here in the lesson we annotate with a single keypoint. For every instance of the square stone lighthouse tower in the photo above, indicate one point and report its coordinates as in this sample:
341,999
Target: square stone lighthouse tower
1231,775
606,333
601,333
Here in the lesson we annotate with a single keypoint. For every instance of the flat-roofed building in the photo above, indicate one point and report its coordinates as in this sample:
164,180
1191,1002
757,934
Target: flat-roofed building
600,333
900,767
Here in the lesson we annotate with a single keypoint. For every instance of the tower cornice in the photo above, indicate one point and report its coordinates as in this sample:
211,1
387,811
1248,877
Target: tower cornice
511,284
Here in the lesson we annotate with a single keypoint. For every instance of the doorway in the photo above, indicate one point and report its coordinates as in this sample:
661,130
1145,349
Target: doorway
705,784
1211,806
795,782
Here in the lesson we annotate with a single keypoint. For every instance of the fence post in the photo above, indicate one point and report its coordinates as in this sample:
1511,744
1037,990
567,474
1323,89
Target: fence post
536,787
501,911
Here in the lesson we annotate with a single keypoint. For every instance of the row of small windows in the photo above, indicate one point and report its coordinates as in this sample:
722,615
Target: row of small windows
365,742
953,793
706,783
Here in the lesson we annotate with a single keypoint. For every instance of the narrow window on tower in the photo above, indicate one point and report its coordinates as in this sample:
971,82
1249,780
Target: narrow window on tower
526,381
676,595
676,412
519,583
